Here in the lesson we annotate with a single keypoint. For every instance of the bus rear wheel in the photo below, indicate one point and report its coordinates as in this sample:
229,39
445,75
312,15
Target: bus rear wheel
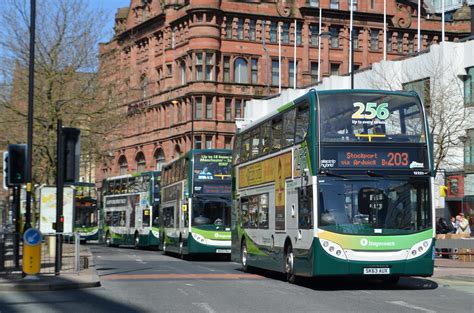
289,264
108,240
136,241
244,257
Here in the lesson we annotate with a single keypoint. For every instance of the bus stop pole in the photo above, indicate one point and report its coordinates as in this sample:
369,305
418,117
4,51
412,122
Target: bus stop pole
16,234
59,196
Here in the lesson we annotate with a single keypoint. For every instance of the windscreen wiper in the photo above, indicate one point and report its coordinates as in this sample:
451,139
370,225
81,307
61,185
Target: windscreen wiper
373,174
332,174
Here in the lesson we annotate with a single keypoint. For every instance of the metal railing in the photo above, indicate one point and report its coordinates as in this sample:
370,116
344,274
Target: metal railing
11,259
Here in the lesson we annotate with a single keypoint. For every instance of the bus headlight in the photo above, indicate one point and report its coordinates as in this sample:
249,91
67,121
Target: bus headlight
419,249
199,238
333,249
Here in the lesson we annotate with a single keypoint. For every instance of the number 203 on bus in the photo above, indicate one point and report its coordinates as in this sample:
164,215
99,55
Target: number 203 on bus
396,159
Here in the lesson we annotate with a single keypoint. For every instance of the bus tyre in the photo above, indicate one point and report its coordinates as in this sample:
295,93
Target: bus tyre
180,251
136,241
289,265
108,240
244,257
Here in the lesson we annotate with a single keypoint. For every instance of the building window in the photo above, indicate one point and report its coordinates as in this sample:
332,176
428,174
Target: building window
199,17
469,150
335,68
354,5
314,72
209,108
313,3
173,37
291,73
228,109
197,142
411,43
275,72
226,68
400,42
240,71
298,34
238,108
159,159
141,163
228,28
182,69
209,66
169,69
314,35
123,165
334,4
254,70
422,88
355,38
374,39
208,142
144,85
252,30
334,36
468,86
285,33
389,41
198,66
372,4
227,142
273,32
198,108
240,29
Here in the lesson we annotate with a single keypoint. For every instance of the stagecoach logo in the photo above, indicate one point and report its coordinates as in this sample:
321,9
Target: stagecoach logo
328,163
364,242
415,164
222,236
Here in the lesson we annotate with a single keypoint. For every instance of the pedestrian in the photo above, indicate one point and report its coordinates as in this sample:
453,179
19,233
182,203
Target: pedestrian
464,227
452,225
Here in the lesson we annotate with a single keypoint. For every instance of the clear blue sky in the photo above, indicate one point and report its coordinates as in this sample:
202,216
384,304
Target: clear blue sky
110,8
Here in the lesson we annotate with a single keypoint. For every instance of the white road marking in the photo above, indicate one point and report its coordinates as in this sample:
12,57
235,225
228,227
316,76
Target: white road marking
180,290
413,307
205,306
189,285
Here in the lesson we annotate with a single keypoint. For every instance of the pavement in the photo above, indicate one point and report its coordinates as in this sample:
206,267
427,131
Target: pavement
445,270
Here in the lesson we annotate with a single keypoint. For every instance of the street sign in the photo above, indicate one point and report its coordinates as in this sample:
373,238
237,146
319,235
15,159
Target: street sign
32,251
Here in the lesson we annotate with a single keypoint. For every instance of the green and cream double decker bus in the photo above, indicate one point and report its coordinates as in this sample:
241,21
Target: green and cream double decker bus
336,183
130,205
196,203
86,211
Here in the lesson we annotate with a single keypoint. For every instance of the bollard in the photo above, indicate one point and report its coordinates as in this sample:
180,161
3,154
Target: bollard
77,252
2,253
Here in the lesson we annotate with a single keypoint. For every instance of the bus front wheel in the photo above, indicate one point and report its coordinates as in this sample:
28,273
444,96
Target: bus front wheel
289,264
244,257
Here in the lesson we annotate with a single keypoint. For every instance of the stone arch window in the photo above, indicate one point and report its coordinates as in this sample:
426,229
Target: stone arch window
240,71
159,157
177,151
141,162
123,165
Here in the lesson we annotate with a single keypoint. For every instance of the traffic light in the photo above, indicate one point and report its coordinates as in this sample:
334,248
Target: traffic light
16,165
72,150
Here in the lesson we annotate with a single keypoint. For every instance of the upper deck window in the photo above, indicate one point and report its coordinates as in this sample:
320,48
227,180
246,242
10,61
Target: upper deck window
371,117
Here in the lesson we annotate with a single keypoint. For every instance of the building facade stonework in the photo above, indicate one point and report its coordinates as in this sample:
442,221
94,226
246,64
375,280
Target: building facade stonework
181,70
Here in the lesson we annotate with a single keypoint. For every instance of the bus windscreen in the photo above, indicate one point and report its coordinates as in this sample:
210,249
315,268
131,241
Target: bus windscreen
371,117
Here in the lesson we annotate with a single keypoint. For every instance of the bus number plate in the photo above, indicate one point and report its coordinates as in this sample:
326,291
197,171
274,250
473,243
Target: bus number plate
376,271
222,250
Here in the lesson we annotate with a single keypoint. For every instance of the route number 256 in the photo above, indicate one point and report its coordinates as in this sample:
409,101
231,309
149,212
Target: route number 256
371,110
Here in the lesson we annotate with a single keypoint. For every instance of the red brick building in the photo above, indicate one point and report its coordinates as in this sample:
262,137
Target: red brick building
183,69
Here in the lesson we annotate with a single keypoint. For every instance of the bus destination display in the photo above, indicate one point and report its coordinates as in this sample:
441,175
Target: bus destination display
390,158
